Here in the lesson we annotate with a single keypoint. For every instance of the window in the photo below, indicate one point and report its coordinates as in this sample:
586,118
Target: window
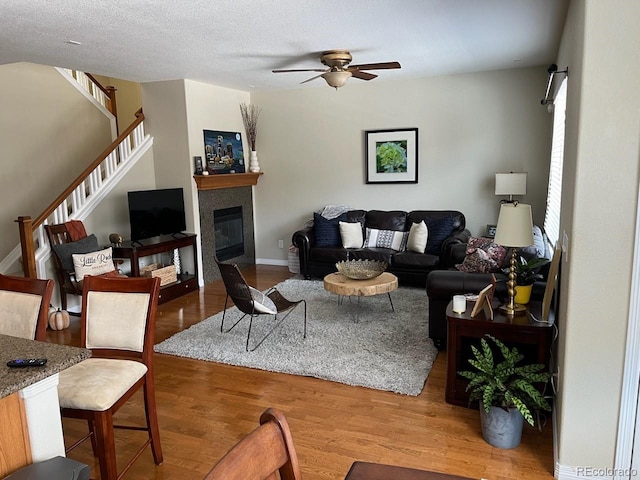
554,191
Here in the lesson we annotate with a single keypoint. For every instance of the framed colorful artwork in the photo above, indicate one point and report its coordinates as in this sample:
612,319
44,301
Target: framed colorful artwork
223,152
391,156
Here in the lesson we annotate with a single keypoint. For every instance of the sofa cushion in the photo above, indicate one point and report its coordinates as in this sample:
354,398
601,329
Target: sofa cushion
326,231
351,234
415,260
328,254
483,256
439,229
65,250
418,234
379,254
386,239
383,220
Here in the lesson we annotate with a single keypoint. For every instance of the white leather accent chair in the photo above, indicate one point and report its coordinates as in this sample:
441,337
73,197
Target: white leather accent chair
118,325
24,307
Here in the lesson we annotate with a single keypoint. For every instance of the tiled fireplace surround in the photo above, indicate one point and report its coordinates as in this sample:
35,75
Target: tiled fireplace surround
210,200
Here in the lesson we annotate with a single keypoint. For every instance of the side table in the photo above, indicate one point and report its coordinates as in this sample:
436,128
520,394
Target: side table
531,338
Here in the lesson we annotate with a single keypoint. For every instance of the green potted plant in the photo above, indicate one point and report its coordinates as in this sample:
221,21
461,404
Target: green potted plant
527,272
506,391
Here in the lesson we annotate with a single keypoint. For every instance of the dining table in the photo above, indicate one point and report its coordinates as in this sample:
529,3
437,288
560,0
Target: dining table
379,471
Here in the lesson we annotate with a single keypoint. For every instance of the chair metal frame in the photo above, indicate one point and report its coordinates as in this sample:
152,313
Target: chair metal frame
263,452
34,286
101,426
238,290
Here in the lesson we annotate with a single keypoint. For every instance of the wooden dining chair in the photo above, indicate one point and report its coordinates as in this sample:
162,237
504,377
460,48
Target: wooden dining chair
253,302
263,452
117,324
24,306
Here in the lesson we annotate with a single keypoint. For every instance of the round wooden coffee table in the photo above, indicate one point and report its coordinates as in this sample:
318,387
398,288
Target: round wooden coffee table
347,287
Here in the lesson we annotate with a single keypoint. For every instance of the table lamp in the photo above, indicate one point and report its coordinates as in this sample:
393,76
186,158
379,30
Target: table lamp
511,184
515,229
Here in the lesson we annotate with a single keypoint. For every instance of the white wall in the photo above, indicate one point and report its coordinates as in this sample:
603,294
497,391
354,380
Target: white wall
49,133
310,145
600,188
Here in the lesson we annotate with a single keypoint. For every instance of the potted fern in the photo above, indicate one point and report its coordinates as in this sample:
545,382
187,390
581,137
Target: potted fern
506,391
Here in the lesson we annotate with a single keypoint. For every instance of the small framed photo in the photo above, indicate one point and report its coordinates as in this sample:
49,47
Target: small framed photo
198,164
491,231
485,297
391,156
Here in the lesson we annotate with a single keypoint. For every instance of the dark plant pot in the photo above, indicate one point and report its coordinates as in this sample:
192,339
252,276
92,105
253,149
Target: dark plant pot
501,428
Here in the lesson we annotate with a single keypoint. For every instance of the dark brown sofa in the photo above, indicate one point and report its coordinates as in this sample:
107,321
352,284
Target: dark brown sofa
446,228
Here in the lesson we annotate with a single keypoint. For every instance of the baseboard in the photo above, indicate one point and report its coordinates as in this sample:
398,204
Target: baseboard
272,261
565,472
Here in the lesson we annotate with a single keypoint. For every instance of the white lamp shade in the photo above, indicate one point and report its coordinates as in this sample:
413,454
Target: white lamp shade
515,225
511,183
336,79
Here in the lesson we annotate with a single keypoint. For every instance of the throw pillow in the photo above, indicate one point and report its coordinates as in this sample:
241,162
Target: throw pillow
418,235
262,303
392,239
326,231
93,263
483,256
65,250
351,234
439,229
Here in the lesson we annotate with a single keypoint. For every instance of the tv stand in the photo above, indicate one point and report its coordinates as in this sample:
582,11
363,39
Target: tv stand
134,251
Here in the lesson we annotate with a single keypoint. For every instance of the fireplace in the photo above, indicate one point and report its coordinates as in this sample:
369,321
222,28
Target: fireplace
228,231
239,202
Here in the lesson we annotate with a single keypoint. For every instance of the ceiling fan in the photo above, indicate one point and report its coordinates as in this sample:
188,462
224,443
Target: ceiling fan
339,72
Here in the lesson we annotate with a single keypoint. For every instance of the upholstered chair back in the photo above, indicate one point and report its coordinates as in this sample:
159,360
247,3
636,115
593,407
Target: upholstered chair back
24,306
116,320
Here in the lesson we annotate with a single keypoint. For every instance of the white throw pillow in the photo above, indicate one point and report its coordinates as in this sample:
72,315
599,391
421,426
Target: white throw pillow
262,303
392,239
93,263
351,234
418,235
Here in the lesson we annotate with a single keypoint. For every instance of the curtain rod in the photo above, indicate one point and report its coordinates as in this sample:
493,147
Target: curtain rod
553,70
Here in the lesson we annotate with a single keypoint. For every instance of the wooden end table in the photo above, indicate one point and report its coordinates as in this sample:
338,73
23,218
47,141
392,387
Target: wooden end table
347,287
532,339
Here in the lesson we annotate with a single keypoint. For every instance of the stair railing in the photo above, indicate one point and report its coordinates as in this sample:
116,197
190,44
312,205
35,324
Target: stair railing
81,191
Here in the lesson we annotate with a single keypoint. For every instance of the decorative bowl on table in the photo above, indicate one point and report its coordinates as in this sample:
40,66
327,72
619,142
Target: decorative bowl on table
361,269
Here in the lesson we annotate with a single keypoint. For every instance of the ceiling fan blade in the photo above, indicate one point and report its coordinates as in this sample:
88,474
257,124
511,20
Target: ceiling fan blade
375,66
301,70
313,78
363,75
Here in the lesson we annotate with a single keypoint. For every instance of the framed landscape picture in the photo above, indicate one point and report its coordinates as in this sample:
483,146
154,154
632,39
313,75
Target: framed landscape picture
223,152
391,156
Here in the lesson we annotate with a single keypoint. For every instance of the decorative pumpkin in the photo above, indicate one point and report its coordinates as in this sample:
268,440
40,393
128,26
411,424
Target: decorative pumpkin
58,319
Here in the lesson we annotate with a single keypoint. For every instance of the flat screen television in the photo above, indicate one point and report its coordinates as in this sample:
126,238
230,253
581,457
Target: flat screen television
156,212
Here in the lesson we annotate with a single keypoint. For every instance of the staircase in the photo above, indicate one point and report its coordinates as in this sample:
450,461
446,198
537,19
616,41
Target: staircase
80,198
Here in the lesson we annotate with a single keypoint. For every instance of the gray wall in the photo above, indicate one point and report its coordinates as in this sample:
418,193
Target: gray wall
310,145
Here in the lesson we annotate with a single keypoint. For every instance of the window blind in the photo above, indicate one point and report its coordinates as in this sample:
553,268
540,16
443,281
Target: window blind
554,191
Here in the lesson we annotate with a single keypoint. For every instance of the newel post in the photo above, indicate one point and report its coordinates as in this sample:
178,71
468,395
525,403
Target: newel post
28,248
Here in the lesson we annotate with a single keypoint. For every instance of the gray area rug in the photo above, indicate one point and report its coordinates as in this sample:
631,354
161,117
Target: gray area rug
384,350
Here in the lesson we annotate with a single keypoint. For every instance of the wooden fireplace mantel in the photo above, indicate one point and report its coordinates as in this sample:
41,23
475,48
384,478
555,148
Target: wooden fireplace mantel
227,180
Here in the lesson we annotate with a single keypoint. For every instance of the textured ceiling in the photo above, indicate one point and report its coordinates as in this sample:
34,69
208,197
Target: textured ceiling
236,43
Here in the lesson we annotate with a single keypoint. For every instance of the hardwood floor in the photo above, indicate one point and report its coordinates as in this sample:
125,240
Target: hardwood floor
205,408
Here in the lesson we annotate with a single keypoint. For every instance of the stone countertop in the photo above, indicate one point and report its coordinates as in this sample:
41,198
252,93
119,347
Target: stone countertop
59,357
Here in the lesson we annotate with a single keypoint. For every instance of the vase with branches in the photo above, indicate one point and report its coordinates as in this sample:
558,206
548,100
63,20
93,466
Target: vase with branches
250,114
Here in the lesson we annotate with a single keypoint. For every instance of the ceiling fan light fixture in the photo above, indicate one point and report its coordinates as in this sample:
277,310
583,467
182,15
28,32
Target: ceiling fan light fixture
336,79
